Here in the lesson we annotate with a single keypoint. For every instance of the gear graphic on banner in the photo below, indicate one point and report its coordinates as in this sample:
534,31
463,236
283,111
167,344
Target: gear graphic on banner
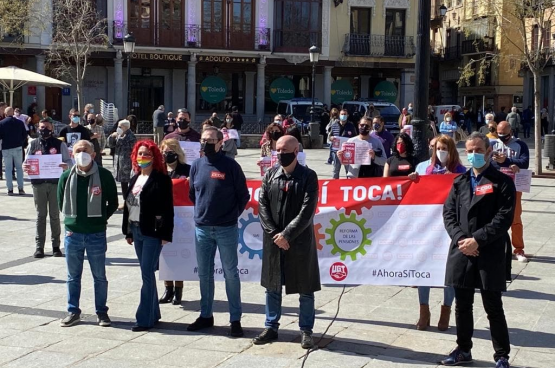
348,236
243,225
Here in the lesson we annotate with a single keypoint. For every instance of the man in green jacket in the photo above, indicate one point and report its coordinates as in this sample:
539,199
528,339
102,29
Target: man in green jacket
87,196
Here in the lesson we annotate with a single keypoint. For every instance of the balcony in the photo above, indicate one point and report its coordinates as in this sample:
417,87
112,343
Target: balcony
296,41
193,36
452,53
379,45
477,46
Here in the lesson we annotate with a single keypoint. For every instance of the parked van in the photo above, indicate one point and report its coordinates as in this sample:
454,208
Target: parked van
299,109
390,112
441,110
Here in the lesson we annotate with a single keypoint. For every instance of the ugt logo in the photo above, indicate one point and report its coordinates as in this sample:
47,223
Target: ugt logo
338,271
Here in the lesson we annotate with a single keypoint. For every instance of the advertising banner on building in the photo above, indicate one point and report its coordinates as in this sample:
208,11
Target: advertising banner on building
379,231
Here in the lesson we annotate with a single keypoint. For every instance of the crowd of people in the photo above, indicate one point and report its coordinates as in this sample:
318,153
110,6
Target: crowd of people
477,220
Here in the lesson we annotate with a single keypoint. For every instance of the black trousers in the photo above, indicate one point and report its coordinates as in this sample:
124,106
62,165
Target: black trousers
496,316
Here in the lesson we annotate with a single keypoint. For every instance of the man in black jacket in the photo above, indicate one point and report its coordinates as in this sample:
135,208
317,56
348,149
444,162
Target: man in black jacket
14,138
287,204
478,214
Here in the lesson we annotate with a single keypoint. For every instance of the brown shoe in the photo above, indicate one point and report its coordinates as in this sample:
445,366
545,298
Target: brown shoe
424,320
443,323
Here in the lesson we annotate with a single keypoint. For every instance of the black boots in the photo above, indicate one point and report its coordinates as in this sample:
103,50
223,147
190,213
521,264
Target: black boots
168,295
177,296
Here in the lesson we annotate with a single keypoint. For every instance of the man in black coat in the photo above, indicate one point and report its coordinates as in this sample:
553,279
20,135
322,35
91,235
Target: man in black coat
287,204
478,214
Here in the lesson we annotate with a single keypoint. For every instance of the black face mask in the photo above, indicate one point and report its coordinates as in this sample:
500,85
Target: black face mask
92,121
209,149
170,157
183,124
45,133
504,137
286,159
276,135
364,130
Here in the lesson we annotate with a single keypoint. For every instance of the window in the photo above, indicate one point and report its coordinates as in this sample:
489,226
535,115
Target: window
535,37
546,35
297,24
361,20
395,22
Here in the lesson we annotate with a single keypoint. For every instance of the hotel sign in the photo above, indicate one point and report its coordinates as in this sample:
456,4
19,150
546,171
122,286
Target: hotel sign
159,57
227,59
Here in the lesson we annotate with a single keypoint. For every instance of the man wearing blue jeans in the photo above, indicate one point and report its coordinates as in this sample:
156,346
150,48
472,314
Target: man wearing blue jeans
87,196
14,137
287,204
218,189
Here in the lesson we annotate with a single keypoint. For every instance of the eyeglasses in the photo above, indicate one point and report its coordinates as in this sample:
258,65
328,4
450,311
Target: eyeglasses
212,140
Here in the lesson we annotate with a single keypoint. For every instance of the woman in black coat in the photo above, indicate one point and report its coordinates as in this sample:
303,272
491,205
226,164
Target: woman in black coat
148,223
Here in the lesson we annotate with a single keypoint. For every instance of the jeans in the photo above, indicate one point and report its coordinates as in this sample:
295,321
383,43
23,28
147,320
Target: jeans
44,195
468,124
496,316
306,310
95,246
337,165
13,156
225,238
424,295
238,140
148,251
515,132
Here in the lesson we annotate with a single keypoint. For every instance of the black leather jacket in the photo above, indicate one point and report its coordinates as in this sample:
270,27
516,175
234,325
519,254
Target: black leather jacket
287,205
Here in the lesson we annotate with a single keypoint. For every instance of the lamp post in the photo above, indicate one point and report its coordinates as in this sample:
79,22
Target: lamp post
421,85
314,53
442,10
129,48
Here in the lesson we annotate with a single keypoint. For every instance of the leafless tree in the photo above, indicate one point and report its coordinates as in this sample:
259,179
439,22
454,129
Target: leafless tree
524,26
78,31
19,18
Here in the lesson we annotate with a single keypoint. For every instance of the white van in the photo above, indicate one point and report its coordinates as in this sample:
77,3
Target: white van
441,110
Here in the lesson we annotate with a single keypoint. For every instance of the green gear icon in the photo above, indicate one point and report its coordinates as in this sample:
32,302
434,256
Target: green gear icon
365,233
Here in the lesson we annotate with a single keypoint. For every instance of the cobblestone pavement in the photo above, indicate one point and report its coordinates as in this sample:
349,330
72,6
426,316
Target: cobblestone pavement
374,328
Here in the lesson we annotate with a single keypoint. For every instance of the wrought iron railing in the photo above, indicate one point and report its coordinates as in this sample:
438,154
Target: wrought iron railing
358,44
296,41
477,46
452,53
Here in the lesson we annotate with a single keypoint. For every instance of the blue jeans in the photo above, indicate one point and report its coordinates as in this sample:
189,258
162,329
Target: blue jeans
225,238
148,252
95,246
424,295
13,156
238,140
306,310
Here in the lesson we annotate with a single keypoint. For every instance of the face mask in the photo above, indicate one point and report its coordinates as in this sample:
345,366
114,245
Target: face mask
170,157
492,129
364,130
343,117
286,159
276,135
45,133
119,131
401,148
92,121
76,119
144,162
17,114
448,119
377,127
504,137
83,159
442,156
209,149
228,120
477,160
277,122
91,111
183,124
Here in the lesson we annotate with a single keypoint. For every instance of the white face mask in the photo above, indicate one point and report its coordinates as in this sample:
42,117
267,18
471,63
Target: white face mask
448,119
119,131
442,156
83,159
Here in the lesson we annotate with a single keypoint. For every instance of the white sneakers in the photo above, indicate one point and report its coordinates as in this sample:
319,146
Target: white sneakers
521,257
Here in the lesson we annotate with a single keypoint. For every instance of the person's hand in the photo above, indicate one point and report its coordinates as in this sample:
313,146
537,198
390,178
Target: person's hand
413,176
515,169
499,158
259,162
281,241
114,134
468,247
164,242
63,165
372,153
340,154
26,167
129,240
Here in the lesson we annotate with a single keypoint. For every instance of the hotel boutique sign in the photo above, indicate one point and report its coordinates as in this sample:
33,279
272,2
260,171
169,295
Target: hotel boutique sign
159,57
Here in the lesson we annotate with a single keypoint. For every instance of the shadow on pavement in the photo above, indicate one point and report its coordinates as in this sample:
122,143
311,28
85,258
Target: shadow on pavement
529,294
10,218
29,280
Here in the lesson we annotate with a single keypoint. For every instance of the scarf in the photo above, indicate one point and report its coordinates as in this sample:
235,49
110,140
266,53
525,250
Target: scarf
94,205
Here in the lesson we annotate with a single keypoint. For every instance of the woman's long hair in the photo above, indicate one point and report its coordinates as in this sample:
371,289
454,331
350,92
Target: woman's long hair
453,159
409,146
157,159
173,144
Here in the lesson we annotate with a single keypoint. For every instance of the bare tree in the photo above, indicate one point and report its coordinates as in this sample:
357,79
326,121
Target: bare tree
78,31
525,26
19,18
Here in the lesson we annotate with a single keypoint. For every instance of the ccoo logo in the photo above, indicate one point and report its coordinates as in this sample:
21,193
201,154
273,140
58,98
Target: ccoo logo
338,271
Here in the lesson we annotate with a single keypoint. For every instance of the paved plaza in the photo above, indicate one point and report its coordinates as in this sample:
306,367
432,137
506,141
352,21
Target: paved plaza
375,326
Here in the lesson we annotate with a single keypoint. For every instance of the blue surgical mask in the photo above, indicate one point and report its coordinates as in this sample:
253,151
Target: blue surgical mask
477,160
76,119
342,117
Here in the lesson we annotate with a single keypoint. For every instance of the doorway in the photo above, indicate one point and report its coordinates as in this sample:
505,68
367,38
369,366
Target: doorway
147,93
228,24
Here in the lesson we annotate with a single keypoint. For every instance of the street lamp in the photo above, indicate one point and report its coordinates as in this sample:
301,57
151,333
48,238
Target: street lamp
442,10
129,48
314,53
421,84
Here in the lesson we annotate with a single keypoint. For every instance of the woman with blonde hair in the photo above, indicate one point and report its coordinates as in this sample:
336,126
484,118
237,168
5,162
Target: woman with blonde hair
174,158
448,126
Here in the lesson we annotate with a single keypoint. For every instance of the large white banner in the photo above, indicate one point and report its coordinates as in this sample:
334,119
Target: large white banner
382,231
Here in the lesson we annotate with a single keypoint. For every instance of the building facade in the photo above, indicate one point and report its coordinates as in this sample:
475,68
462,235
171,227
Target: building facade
209,55
464,34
